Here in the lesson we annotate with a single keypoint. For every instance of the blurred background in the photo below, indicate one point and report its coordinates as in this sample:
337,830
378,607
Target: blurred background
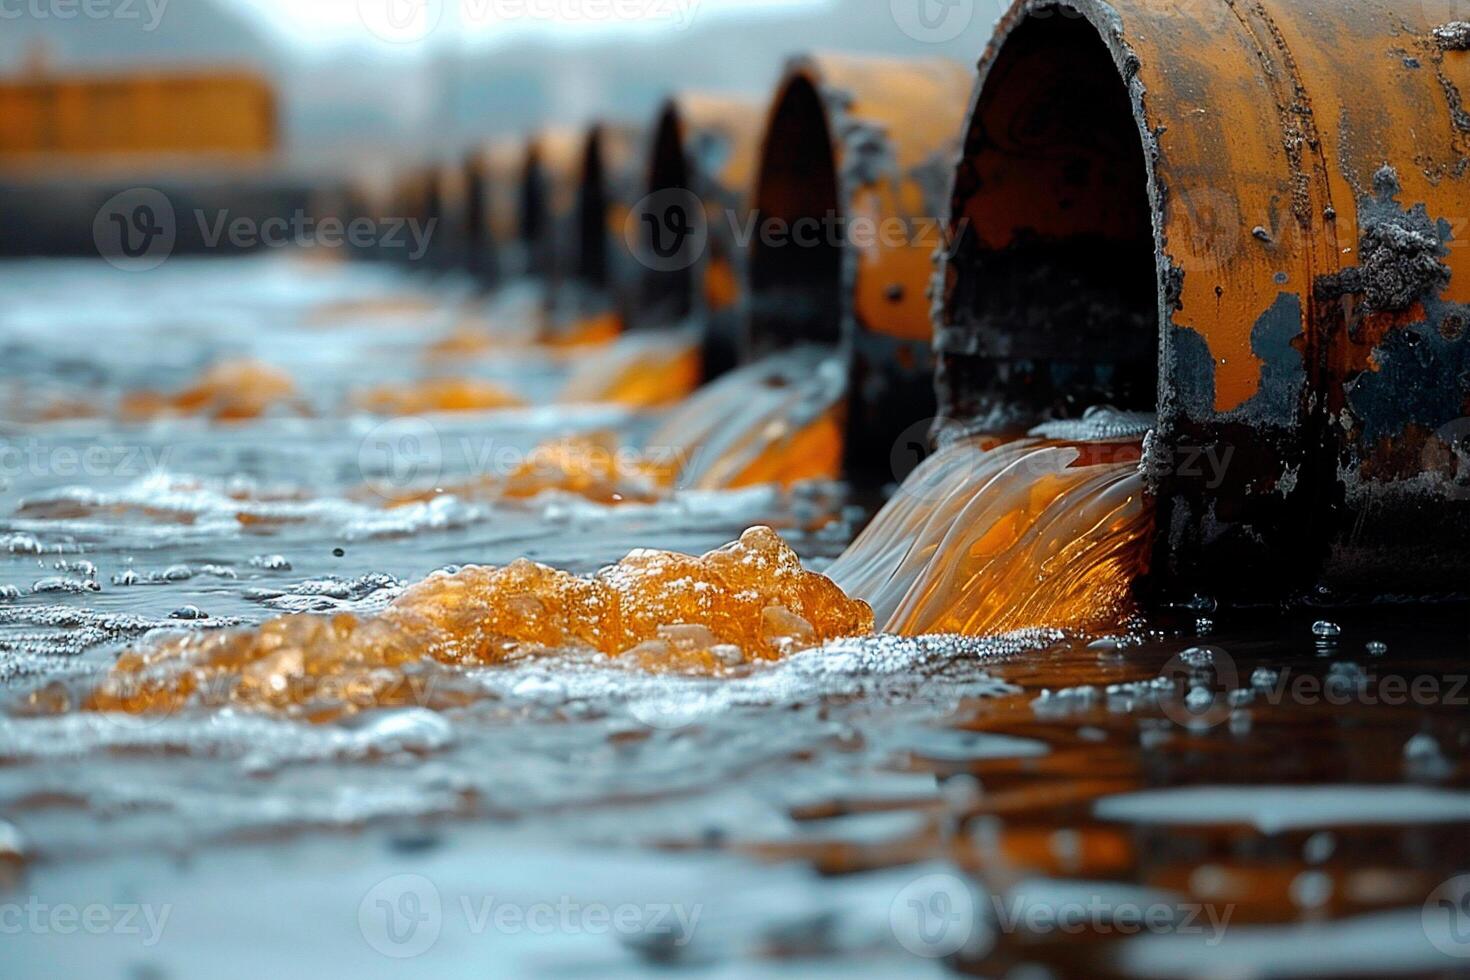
364,83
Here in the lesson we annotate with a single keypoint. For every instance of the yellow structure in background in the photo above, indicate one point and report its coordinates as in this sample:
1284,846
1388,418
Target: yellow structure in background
93,117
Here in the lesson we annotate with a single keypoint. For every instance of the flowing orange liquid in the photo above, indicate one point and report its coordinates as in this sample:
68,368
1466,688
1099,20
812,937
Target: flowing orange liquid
983,540
775,422
654,610
435,395
228,391
639,370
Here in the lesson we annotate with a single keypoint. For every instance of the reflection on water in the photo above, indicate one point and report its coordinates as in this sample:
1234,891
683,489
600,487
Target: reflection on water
1277,802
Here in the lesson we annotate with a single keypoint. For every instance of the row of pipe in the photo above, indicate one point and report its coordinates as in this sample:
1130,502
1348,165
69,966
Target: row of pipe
1249,217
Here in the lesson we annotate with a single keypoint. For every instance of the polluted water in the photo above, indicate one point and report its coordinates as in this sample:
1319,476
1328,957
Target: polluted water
298,616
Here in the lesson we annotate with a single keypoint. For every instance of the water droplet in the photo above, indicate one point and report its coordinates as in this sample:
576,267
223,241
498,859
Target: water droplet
1198,656
1319,847
1376,648
1198,699
1325,629
1311,889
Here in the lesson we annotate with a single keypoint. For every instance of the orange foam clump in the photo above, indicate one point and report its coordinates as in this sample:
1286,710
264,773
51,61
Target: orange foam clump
654,610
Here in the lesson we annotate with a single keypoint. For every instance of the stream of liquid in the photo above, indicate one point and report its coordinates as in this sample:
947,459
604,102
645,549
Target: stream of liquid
985,538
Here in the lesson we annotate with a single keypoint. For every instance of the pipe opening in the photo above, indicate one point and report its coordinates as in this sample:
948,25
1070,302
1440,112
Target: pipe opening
796,259
592,251
532,219
666,296
475,216
1054,285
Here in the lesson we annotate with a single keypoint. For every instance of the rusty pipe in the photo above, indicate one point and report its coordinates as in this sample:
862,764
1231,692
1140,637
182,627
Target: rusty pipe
412,199
1250,217
579,187
852,186
703,157
449,209
498,229
549,202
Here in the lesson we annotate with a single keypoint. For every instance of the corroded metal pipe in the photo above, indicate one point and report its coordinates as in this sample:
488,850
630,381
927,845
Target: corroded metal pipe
1250,216
580,186
611,181
449,208
499,230
413,199
549,203
704,154
852,186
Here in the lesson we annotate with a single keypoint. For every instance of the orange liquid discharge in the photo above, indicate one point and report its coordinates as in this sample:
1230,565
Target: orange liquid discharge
435,395
591,331
228,391
639,371
1033,533
654,610
778,422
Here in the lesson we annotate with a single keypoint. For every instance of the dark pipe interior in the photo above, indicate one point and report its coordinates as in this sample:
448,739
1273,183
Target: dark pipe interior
1054,275
666,296
533,220
796,279
592,268
474,209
